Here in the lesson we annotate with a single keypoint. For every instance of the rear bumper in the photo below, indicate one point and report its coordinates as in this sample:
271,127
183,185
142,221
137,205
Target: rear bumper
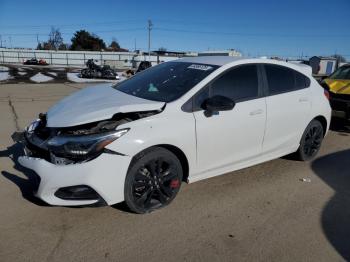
339,114
340,107
105,174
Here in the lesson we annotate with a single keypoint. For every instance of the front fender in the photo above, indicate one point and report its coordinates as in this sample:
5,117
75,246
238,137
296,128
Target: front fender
176,129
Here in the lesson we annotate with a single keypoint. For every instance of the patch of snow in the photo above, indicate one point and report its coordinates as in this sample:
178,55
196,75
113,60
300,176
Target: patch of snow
74,77
4,68
52,73
39,78
20,69
22,73
4,76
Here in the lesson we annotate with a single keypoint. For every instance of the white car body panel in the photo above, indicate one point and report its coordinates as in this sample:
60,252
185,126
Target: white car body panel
160,130
96,103
220,141
262,129
279,133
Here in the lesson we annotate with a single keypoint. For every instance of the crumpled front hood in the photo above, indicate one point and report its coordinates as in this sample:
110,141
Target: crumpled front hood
94,104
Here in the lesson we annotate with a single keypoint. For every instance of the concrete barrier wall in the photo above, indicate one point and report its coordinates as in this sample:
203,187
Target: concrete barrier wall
79,58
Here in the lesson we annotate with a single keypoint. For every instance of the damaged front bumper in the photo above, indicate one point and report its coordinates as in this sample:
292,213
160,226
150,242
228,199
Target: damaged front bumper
64,182
105,175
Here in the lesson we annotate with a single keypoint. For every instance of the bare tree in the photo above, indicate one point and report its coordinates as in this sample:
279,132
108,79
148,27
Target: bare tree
55,38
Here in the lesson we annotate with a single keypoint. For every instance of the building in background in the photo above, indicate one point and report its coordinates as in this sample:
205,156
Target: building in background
231,52
323,66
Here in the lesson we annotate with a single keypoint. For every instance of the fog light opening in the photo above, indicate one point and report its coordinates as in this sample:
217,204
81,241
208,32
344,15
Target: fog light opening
80,192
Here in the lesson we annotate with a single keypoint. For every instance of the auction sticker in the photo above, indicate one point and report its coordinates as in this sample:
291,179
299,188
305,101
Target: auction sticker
200,67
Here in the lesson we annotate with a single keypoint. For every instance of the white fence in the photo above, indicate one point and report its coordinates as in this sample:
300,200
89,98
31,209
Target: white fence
79,58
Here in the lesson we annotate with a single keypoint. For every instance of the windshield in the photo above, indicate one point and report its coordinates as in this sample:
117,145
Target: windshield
341,73
165,82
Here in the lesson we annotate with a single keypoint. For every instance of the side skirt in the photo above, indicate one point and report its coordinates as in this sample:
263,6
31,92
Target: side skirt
235,167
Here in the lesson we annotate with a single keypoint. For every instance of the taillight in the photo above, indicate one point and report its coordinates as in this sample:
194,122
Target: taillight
326,93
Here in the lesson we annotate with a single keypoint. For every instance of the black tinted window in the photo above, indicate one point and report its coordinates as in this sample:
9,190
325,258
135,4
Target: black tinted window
239,84
301,81
280,79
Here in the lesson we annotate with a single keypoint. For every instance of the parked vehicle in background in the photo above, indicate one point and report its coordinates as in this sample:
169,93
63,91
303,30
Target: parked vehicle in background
34,61
95,71
338,86
143,65
185,120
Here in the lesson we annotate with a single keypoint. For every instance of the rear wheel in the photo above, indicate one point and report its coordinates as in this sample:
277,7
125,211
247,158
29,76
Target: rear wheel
311,141
153,180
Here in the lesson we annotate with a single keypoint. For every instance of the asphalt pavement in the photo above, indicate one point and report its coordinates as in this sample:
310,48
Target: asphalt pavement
262,213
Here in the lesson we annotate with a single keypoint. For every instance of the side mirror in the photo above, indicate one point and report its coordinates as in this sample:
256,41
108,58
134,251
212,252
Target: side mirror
217,103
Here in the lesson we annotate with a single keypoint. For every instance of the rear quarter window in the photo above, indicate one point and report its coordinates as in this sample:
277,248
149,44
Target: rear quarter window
301,81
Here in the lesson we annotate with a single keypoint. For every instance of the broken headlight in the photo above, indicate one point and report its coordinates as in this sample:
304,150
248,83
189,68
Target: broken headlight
83,147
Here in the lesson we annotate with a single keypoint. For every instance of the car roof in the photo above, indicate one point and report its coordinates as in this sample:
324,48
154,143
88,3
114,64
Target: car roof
223,60
210,60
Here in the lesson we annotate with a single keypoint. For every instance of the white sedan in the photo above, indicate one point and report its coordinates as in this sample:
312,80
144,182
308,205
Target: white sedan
185,120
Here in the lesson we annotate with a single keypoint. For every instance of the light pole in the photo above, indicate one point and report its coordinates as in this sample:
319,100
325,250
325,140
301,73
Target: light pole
149,39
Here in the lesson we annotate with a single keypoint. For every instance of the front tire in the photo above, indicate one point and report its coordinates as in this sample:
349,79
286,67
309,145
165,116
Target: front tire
153,180
311,141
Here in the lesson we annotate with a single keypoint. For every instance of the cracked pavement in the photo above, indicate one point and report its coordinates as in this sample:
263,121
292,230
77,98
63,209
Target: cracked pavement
262,213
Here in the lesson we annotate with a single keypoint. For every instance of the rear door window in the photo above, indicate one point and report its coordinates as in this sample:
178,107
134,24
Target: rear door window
281,79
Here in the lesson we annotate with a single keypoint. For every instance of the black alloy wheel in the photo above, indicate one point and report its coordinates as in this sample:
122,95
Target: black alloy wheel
311,141
153,180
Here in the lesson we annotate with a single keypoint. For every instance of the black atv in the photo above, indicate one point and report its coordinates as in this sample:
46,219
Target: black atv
143,66
96,71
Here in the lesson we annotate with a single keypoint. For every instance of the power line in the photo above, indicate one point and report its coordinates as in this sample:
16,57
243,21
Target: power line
246,34
70,33
73,25
191,32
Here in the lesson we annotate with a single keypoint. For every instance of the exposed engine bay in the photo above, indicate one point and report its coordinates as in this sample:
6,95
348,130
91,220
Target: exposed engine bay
75,144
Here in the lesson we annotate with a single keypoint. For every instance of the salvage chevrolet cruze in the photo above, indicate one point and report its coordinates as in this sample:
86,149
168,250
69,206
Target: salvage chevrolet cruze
184,120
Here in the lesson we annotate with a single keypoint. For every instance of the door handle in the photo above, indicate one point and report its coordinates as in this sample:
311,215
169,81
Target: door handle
303,99
256,112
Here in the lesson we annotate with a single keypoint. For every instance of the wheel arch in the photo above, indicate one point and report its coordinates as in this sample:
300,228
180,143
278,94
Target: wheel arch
176,151
323,122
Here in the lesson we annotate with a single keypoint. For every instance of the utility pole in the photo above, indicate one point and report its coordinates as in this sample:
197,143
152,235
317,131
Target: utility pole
0,41
149,39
